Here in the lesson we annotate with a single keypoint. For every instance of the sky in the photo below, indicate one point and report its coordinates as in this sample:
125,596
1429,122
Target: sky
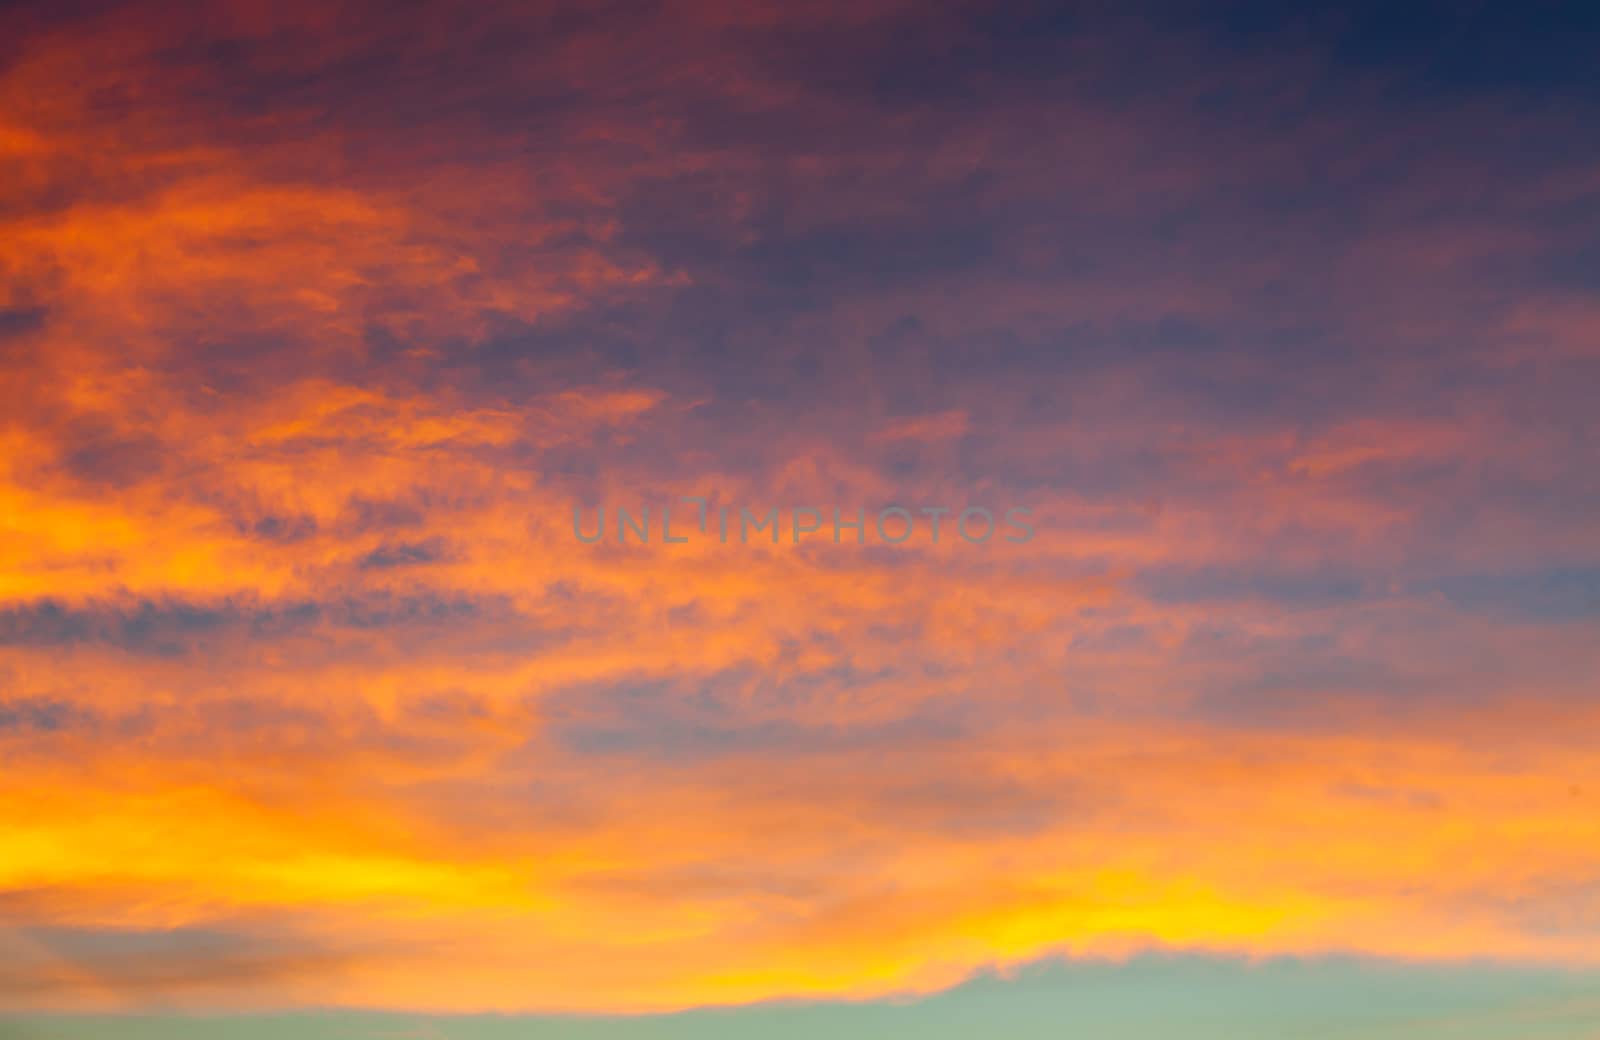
327,330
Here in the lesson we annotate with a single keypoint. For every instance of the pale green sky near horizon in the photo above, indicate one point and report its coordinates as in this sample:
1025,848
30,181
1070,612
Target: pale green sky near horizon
1193,998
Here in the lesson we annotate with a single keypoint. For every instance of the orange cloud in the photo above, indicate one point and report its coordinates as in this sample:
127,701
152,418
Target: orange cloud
302,377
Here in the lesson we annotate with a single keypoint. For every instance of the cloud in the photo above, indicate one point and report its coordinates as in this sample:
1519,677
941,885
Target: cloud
316,322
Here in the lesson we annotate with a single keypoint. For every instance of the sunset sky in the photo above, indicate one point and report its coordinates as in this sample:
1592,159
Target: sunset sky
319,319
